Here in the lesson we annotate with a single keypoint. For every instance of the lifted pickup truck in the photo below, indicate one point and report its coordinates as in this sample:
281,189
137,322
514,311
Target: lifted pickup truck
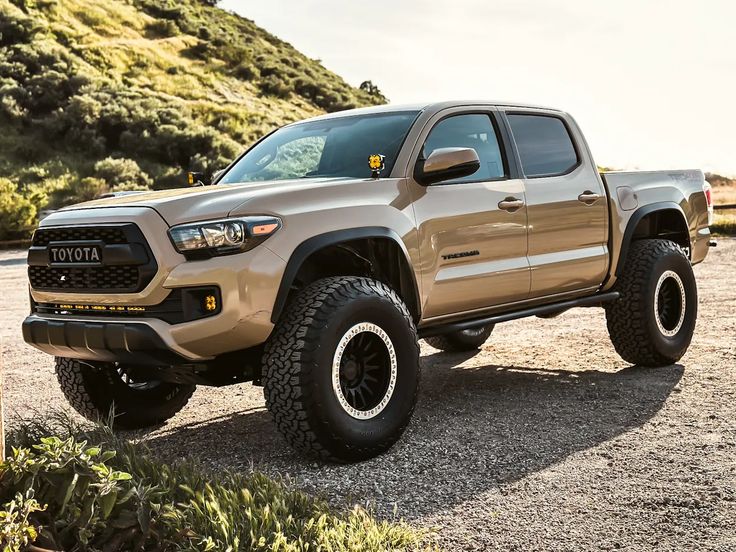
319,257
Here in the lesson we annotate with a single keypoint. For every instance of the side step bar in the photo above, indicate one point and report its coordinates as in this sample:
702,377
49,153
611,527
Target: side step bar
590,301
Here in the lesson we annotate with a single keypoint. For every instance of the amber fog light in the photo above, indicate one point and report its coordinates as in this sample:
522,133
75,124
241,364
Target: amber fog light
200,302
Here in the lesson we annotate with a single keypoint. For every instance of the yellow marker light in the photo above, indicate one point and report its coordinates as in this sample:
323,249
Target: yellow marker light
375,162
190,178
210,303
265,229
101,308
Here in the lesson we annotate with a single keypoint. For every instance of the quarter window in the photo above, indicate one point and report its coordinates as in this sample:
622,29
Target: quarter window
544,144
469,131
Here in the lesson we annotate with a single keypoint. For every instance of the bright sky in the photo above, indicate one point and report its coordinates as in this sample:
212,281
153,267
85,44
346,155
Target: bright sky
651,82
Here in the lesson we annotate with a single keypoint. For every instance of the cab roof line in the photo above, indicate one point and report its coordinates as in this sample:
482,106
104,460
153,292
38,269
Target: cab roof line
421,107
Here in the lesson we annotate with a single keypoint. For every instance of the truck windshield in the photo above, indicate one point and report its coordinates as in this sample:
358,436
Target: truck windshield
337,148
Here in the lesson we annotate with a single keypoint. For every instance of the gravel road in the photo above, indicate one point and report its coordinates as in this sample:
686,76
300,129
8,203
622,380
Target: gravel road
545,440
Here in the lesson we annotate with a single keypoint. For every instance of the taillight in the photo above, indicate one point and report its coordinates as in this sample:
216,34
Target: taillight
708,191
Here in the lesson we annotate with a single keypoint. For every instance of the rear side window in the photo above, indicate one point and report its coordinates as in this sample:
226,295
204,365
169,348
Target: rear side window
545,145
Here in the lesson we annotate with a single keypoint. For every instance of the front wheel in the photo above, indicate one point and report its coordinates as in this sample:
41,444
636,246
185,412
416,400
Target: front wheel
94,389
341,369
653,321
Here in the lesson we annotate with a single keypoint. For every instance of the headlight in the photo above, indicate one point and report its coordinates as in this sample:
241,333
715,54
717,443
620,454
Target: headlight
222,237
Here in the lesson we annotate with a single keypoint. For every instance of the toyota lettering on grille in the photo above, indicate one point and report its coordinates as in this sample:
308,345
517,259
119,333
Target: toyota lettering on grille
75,254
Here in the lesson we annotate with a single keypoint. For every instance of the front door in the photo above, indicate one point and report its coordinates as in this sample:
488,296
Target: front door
472,230
566,202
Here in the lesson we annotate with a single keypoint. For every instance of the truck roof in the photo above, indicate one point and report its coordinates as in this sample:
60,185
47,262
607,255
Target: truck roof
427,106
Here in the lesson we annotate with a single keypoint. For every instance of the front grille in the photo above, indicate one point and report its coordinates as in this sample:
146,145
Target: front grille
108,234
127,265
92,277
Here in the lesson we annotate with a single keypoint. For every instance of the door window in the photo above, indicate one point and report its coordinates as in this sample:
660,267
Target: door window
544,144
474,131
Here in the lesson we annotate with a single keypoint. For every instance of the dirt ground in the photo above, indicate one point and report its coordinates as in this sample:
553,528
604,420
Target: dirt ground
545,440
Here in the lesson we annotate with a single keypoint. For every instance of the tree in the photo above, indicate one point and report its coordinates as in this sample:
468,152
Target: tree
17,212
373,91
122,172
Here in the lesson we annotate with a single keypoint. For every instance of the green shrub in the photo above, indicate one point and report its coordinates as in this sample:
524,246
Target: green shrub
166,9
268,70
204,33
172,178
16,529
275,86
373,91
86,189
162,28
17,212
87,502
16,28
97,489
246,72
91,17
201,50
12,109
122,172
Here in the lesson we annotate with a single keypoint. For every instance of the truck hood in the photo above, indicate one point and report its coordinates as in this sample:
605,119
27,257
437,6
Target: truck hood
206,202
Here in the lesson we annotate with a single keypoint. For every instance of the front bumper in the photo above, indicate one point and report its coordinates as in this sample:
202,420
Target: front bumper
248,283
132,343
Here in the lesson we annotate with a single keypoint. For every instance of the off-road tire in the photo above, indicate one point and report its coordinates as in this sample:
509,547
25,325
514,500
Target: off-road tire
463,340
298,369
94,390
632,319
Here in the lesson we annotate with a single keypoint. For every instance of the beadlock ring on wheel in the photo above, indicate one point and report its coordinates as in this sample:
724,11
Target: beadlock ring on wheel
388,361
669,294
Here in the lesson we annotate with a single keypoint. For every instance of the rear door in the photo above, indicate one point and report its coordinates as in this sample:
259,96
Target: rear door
566,203
472,230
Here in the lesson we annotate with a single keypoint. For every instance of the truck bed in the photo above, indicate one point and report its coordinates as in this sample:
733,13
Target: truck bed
631,192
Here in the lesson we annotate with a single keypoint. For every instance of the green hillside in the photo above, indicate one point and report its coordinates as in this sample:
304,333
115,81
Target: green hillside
122,94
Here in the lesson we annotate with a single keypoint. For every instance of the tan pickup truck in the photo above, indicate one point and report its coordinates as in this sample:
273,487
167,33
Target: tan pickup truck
317,259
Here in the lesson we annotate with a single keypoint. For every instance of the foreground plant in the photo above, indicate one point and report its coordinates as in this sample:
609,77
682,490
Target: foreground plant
16,529
96,492
86,500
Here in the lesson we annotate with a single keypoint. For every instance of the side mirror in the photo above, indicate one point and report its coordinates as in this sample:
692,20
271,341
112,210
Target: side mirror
446,164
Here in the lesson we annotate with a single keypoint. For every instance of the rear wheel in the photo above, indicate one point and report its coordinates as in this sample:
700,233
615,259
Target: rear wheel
94,389
341,369
653,321
463,340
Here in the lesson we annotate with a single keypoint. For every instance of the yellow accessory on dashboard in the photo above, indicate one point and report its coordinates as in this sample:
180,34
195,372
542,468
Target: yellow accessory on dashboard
376,164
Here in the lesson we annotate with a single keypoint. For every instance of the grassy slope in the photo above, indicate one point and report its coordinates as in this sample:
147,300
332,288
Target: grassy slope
114,42
224,78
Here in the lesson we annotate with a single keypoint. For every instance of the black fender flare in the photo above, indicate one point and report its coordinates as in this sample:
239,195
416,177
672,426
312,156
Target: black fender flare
634,221
320,241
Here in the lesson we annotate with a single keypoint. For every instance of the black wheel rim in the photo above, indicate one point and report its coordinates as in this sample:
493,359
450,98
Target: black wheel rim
364,371
669,308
